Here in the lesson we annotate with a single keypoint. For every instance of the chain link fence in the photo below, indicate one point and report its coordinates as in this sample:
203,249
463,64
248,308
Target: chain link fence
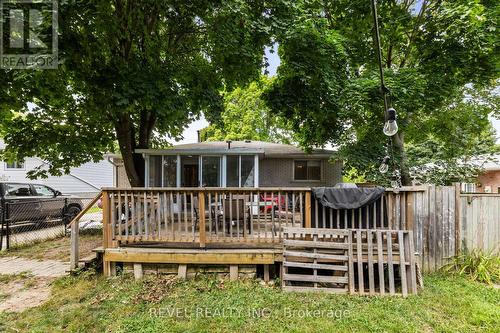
25,221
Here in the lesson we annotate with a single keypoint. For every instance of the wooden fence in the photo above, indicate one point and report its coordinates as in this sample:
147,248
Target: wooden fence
480,220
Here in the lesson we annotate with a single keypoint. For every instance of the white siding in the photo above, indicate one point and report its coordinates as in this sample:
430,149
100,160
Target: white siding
87,178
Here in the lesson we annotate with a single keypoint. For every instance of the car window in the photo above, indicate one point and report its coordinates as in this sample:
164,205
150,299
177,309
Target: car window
17,190
44,191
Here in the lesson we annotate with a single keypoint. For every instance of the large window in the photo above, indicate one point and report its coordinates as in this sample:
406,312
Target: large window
240,171
190,171
205,171
154,171
210,171
14,165
233,171
307,170
169,171
247,171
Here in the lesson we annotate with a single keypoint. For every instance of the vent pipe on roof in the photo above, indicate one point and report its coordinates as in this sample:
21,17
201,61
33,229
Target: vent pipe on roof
228,144
199,135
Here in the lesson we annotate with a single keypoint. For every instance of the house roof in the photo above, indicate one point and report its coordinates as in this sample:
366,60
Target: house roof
267,149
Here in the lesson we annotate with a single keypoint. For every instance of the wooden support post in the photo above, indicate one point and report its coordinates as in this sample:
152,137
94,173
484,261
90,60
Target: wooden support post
109,268
307,221
182,271
266,273
138,274
233,272
201,209
105,220
74,255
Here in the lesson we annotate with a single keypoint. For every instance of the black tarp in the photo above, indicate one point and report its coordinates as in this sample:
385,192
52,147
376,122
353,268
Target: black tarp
346,206
347,198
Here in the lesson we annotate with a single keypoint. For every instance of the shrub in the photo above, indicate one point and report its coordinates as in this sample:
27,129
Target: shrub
477,265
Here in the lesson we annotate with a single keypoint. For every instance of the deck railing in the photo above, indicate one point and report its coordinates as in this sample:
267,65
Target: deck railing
204,216
239,217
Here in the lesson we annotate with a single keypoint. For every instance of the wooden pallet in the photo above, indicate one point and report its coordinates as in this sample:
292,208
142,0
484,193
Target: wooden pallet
316,260
364,262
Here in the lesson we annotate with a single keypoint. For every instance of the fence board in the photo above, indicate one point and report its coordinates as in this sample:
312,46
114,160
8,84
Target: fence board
480,221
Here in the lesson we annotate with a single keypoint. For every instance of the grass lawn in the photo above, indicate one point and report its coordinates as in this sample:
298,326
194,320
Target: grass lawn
56,249
93,304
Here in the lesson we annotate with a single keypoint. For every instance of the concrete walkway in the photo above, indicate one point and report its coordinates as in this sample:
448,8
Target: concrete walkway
45,268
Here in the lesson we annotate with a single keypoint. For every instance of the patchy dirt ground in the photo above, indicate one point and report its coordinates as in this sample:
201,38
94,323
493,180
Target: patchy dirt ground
21,292
56,249
23,288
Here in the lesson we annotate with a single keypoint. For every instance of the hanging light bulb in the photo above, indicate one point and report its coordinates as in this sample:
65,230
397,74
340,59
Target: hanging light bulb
384,167
391,127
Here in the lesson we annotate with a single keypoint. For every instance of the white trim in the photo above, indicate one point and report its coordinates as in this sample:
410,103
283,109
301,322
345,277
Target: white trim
256,172
239,170
200,170
223,177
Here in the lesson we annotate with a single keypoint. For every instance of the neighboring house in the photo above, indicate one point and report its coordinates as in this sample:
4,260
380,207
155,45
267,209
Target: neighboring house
489,180
239,164
84,180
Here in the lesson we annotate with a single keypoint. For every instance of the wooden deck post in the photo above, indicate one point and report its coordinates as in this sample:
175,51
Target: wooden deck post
233,272
106,236
201,209
307,220
266,273
74,255
182,271
138,273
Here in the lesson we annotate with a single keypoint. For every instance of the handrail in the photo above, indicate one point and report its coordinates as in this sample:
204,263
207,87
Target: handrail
75,232
86,208
420,188
208,189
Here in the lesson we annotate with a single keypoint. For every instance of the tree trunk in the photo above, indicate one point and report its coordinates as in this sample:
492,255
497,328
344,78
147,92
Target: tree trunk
133,163
399,147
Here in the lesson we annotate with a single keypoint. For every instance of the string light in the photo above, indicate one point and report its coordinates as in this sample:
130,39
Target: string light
390,127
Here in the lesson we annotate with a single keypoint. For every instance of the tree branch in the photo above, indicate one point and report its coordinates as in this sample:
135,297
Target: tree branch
414,32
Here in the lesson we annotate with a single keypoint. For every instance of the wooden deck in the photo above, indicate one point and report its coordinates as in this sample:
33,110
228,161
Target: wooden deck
260,227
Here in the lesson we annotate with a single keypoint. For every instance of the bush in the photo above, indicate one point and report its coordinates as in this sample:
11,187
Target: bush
477,265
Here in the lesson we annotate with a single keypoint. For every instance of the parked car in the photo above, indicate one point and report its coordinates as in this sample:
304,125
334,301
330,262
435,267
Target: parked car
25,202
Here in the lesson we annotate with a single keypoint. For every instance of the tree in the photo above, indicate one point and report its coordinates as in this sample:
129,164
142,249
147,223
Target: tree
246,116
135,72
328,81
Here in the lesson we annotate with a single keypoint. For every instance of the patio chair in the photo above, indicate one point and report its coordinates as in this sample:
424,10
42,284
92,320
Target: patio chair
236,214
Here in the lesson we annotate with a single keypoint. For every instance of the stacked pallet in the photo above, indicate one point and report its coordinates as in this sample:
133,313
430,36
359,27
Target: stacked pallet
355,261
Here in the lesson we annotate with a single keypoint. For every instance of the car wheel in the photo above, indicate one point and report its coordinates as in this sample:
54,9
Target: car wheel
71,213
